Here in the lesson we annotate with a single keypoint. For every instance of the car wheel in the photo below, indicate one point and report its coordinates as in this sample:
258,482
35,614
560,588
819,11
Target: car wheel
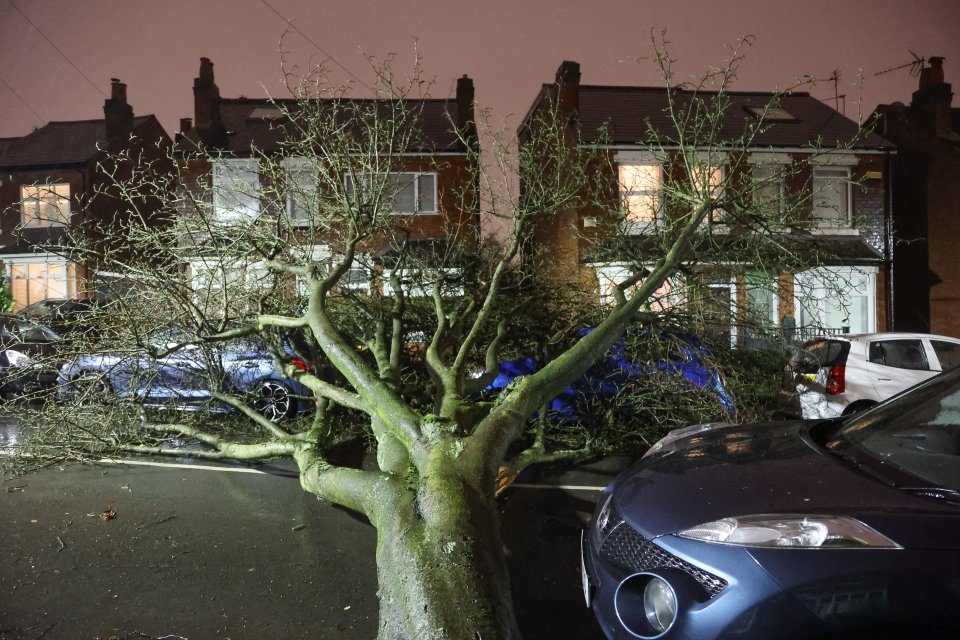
273,400
90,388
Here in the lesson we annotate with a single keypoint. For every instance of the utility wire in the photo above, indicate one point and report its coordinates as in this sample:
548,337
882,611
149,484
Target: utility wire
20,98
76,68
291,25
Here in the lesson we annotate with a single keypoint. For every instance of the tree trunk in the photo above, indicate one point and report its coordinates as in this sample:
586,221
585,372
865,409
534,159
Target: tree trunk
441,567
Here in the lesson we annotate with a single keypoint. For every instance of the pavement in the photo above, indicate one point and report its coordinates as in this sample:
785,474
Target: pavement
183,550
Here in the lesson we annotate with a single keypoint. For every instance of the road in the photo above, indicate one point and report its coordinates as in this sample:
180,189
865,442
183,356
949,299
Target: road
146,549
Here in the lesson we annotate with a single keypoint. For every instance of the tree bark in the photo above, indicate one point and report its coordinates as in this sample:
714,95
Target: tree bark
441,567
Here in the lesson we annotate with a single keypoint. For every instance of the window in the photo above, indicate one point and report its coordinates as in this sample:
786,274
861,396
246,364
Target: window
45,205
842,298
668,296
233,280
411,192
236,189
34,278
640,186
419,283
902,354
761,299
831,196
708,181
948,353
769,195
301,187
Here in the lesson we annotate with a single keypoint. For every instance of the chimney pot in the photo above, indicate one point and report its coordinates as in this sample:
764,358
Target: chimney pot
936,70
186,124
568,83
118,91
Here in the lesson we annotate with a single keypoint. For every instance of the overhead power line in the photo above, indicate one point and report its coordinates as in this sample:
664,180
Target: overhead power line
50,42
290,24
20,98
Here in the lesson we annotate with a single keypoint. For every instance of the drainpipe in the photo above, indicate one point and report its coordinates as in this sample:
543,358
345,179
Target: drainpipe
888,237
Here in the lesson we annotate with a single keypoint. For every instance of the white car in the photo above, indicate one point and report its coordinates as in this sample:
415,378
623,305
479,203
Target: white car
840,375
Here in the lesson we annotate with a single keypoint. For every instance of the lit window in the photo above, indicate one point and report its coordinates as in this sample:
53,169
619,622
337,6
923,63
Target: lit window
37,278
668,296
45,205
236,189
640,191
410,192
831,196
708,181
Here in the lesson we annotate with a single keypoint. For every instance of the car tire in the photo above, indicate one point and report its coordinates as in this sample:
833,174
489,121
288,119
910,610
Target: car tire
273,400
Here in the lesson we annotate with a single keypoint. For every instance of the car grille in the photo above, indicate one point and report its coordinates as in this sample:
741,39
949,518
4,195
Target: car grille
631,551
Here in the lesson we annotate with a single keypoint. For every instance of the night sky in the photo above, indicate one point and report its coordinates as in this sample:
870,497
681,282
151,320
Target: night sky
509,47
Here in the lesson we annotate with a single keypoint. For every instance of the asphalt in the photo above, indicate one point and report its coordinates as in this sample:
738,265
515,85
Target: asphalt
200,551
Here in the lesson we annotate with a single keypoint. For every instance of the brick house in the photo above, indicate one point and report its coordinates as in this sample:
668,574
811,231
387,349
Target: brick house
846,211
434,207
926,205
51,184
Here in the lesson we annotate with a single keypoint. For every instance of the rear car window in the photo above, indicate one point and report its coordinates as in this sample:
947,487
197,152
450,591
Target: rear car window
901,354
828,353
948,353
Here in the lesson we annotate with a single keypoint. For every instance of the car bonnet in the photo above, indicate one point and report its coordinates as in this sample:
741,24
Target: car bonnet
758,469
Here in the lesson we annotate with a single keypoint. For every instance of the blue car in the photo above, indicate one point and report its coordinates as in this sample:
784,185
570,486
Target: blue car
617,374
183,380
844,528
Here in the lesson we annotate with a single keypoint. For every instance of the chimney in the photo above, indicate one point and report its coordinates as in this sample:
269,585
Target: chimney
465,96
118,115
206,96
568,83
934,97
185,125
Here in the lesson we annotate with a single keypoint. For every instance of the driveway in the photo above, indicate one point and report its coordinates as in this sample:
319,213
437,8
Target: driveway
172,549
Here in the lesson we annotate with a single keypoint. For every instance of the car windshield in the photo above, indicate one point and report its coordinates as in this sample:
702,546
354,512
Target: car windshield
913,440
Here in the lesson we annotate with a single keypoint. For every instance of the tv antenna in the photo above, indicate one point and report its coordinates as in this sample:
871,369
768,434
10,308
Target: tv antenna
839,99
916,65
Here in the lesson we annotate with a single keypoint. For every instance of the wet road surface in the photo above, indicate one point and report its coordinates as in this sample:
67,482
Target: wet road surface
211,551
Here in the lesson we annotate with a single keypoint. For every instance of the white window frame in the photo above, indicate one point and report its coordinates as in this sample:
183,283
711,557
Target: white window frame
422,291
236,189
417,196
819,283
836,162
68,278
776,164
610,274
835,219
210,274
40,196
639,159
301,176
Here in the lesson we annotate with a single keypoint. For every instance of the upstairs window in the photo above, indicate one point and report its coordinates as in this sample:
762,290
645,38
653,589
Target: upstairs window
410,192
236,189
45,205
640,191
831,196
769,192
301,196
708,181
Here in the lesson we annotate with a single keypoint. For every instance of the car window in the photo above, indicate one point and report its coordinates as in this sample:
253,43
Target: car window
948,353
828,352
902,354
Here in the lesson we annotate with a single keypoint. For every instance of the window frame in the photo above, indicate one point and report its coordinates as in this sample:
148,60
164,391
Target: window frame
59,203
846,197
230,205
417,196
295,169
68,277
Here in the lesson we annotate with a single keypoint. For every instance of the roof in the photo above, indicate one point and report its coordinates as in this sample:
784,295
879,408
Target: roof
260,123
626,112
58,143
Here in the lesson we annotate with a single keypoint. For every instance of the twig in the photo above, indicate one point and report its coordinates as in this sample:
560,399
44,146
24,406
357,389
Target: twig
150,524
62,546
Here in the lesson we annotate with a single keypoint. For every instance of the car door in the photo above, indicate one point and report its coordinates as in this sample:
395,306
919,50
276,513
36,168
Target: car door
943,353
896,364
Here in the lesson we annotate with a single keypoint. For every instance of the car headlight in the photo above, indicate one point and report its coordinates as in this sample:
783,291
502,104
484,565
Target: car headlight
18,359
803,531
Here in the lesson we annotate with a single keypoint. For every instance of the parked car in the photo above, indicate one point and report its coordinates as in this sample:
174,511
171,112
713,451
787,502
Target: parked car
840,375
60,314
173,371
840,529
620,372
27,357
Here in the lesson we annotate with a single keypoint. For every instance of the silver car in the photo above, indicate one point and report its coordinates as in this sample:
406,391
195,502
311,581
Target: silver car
840,375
